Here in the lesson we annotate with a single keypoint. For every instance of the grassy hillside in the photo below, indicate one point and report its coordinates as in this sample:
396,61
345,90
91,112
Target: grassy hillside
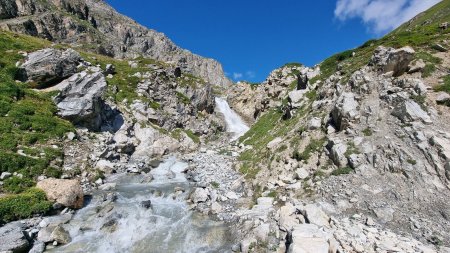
421,33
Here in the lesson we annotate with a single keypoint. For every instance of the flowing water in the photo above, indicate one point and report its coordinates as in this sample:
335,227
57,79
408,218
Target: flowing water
168,226
235,124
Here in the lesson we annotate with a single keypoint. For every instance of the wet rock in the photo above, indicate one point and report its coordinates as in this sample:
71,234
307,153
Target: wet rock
49,66
60,235
107,187
80,100
147,204
345,111
199,195
66,192
12,238
110,226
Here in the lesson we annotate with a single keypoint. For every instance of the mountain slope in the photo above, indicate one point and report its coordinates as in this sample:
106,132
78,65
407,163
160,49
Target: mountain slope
366,138
94,25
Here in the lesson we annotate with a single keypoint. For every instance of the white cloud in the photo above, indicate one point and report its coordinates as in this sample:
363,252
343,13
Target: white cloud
381,15
250,74
237,75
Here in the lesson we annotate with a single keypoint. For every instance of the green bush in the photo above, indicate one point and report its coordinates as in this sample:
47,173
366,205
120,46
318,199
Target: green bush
342,171
445,86
17,184
23,205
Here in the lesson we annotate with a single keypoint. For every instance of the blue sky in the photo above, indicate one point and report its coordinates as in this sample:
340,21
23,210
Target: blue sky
251,38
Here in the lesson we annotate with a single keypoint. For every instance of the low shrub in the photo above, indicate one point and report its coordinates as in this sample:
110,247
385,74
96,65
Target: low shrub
24,205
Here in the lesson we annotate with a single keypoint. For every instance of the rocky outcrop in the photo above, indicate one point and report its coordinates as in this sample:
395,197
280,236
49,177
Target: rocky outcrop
80,101
291,81
49,66
106,30
392,60
63,191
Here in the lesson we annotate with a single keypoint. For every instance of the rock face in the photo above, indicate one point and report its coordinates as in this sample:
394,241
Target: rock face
409,111
65,192
345,111
103,28
13,239
390,59
49,66
80,100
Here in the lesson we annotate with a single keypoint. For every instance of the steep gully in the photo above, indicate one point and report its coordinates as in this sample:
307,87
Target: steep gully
151,212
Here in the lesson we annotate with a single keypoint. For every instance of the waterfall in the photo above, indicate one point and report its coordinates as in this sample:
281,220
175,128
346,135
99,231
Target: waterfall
235,124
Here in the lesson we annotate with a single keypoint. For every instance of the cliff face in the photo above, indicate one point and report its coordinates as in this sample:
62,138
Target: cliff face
96,26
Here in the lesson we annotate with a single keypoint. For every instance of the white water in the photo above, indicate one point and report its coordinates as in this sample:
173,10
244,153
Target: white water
169,226
235,124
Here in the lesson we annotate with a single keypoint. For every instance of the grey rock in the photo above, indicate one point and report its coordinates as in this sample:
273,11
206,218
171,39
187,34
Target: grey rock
409,110
5,175
111,33
443,98
60,235
147,204
345,111
392,60
80,100
315,215
308,238
416,66
439,47
337,152
49,66
199,195
38,247
109,70
12,238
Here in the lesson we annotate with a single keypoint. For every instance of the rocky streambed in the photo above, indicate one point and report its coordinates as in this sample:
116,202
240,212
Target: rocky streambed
141,213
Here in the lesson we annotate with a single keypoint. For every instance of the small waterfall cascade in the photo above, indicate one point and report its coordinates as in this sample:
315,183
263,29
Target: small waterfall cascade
235,124
146,215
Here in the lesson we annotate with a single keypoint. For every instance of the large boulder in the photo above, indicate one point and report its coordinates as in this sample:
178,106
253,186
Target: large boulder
12,238
49,66
63,191
345,111
338,150
308,238
80,101
390,59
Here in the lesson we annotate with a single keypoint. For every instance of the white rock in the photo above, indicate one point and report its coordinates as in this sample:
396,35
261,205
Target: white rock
316,216
308,238
199,195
